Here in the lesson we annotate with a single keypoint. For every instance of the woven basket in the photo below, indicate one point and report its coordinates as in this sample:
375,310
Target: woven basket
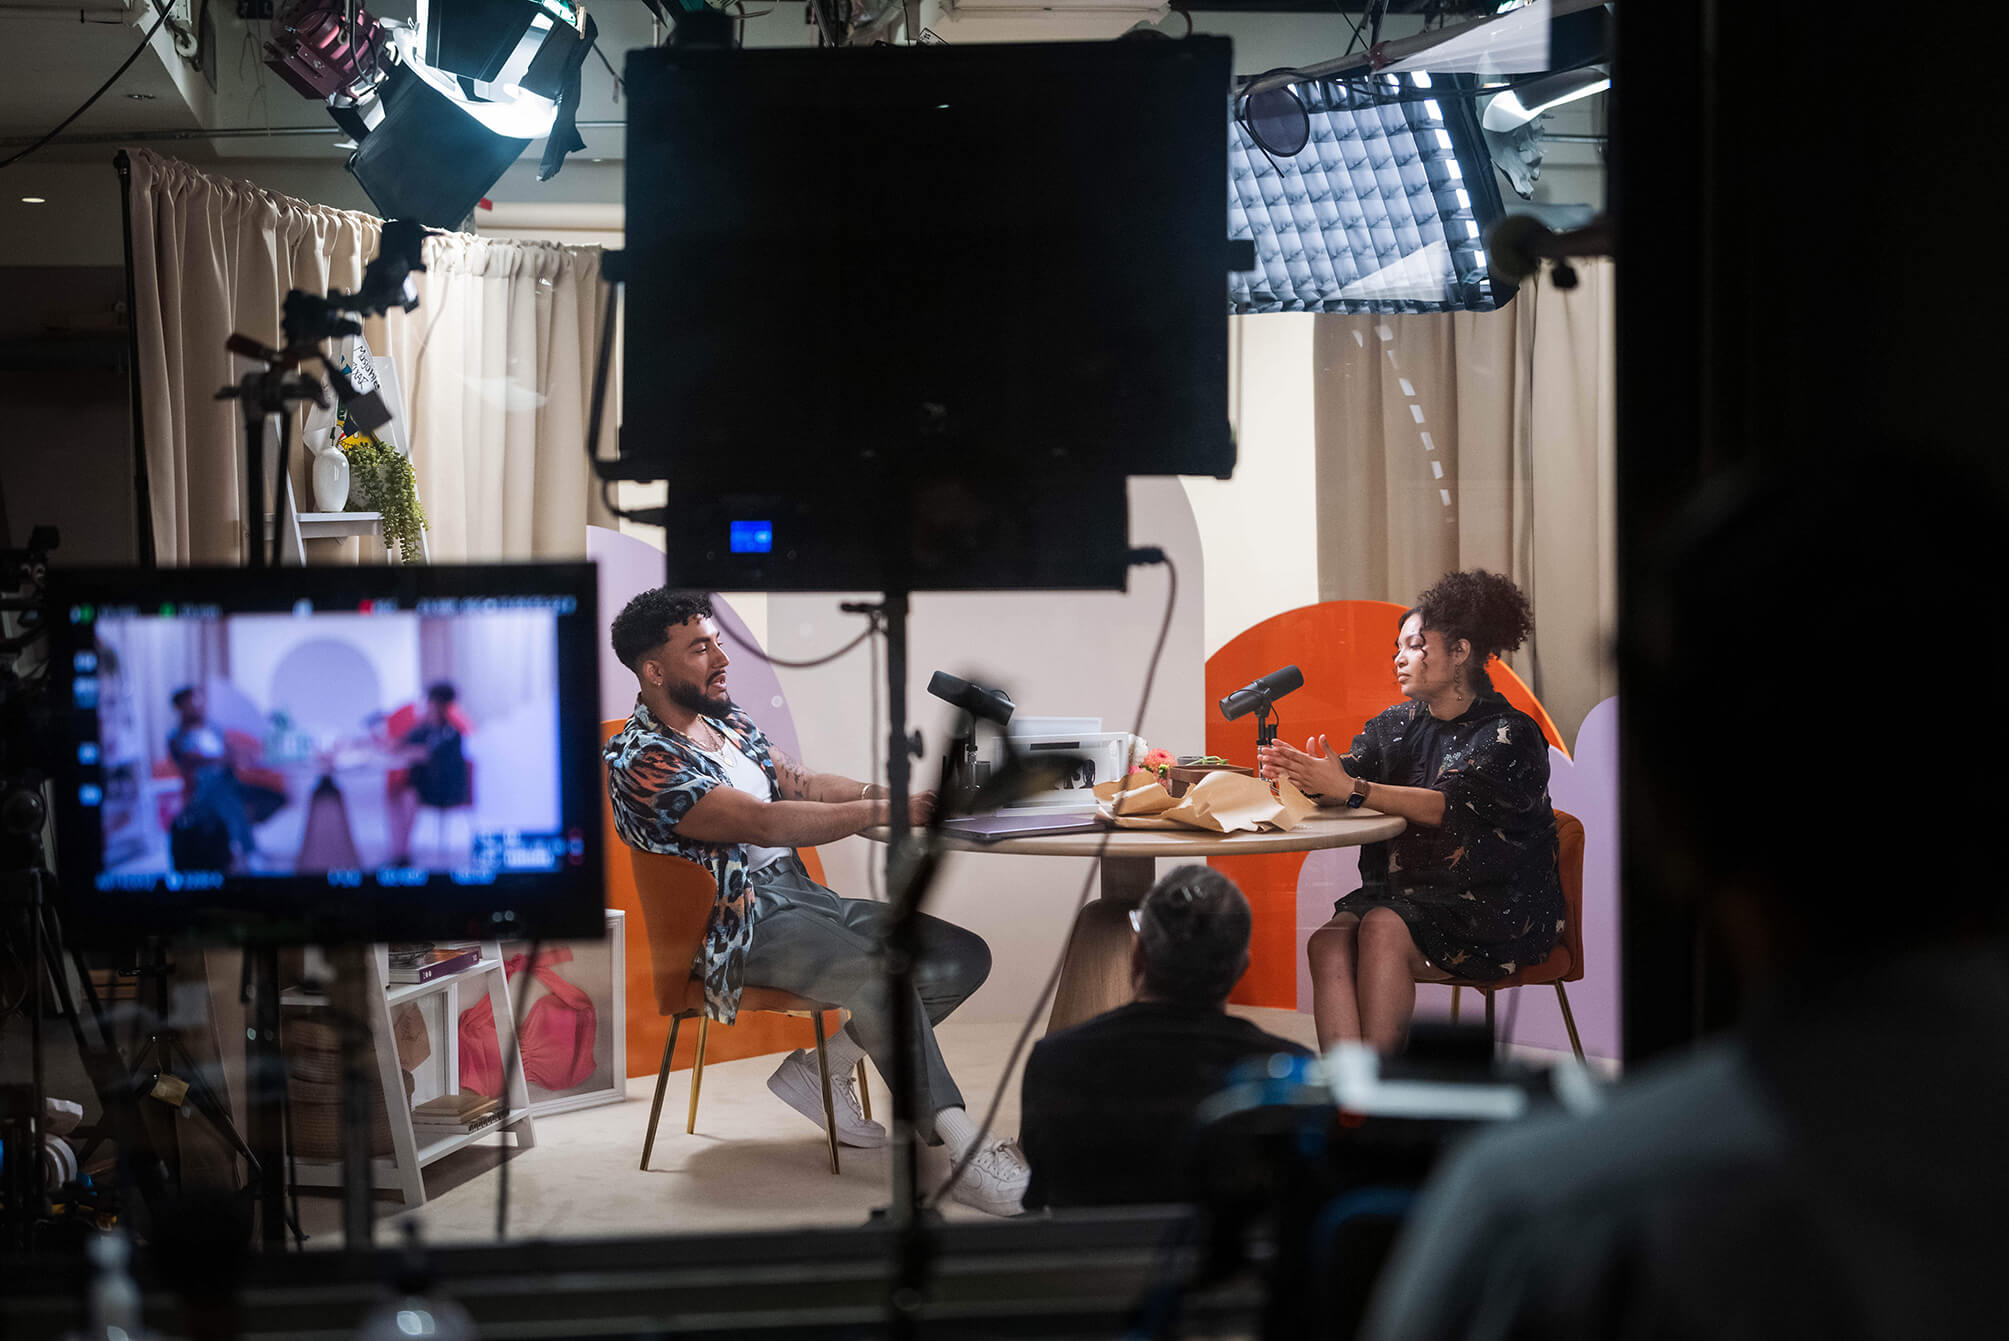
312,1046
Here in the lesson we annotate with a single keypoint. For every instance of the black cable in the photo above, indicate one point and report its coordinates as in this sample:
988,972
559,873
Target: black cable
843,651
512,1062
618,83
103,89
1039,1005
1355,39
596,415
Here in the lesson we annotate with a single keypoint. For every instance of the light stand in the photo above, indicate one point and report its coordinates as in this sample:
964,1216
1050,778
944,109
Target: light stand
275,389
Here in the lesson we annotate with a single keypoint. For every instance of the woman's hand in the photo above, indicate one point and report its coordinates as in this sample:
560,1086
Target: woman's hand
1314,770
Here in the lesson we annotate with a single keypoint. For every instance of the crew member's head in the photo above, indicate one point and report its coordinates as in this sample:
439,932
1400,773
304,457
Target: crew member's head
1453,630
439,700
1192,938
189,704
670,639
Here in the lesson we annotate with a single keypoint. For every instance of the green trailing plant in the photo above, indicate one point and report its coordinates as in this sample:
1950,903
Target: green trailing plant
383,482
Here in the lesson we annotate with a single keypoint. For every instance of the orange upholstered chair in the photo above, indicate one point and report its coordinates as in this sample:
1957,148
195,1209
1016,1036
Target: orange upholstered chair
1565,962
676,898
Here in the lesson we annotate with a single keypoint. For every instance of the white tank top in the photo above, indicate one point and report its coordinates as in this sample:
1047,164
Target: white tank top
746,775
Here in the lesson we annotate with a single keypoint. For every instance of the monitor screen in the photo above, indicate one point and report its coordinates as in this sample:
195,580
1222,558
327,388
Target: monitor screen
1011,258
327,755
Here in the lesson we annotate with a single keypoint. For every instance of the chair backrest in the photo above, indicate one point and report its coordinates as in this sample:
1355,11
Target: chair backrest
676,897
1569,870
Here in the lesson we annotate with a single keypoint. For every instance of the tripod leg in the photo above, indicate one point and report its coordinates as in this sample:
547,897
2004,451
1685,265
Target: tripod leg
140,1165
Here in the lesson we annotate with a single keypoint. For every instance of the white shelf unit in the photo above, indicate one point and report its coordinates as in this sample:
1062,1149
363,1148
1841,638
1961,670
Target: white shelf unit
404,1170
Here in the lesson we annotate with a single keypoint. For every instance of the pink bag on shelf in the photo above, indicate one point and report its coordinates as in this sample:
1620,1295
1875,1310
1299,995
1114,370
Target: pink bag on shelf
557,1040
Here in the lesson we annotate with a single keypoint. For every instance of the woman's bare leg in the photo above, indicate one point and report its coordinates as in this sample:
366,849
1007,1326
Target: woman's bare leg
1333,1005
1387,966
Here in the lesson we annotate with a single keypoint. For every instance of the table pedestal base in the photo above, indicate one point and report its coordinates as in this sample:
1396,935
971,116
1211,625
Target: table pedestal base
1095,975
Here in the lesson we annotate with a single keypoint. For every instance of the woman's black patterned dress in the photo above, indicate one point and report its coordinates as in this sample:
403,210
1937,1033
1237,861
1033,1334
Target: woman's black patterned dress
1479,893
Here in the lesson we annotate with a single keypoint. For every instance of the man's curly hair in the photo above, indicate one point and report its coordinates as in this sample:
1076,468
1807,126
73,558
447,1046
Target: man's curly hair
647,620
1486,609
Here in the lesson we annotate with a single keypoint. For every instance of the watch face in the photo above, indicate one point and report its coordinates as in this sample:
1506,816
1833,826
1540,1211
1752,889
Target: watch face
1353,801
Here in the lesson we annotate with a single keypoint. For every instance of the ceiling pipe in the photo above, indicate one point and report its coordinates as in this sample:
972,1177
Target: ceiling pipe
1393,50
104,11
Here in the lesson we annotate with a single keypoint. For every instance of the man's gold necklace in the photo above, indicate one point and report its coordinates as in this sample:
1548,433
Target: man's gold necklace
718,741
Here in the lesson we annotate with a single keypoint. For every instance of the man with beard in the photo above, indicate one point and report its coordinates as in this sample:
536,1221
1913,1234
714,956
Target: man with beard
690,775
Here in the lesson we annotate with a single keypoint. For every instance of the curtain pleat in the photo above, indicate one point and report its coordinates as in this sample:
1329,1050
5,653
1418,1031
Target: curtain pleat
1479,440
495,365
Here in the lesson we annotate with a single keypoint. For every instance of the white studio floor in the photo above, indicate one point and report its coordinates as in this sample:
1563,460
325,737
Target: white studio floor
753,1164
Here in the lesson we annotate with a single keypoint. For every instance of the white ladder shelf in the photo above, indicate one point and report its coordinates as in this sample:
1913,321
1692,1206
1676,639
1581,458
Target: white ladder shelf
404,1170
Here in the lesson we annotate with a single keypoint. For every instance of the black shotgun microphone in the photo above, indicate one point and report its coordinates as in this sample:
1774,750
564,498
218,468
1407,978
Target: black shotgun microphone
1260,693
990,705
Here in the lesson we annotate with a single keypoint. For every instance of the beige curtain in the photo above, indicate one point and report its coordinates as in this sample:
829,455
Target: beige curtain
1480,440
495,364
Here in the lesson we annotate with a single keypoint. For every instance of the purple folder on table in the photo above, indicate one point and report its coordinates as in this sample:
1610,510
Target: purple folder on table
994,828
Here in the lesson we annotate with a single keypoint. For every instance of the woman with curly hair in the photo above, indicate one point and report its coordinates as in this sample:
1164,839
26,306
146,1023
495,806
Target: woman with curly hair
1469,888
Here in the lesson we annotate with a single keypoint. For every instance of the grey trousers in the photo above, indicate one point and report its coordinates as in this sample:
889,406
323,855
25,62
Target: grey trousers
814,943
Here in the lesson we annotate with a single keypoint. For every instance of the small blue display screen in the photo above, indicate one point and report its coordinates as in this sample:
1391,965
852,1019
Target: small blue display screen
753,537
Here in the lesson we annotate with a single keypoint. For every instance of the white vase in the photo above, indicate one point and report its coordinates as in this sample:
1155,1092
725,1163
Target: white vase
331,480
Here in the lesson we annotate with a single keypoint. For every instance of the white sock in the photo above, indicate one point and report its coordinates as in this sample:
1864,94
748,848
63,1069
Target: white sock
841,1051
957,1130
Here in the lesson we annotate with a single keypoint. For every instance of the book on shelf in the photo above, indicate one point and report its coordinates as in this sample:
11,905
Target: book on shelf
436,1131
438,961
461,1106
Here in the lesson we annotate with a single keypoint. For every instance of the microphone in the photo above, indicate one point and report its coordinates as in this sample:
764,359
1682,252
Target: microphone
1259,693
989,705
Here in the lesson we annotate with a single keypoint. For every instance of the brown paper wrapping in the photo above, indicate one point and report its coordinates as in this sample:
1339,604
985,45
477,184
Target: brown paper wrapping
1218,803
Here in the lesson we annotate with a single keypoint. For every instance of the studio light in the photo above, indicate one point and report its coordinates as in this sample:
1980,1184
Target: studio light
315,48
440,109
1518,106
1380,211
1512,123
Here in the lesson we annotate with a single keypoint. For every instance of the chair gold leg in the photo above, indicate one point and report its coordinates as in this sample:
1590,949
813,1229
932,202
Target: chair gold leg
698,1073
656,1104
1457,993
864,1091
1569,1020
823,1074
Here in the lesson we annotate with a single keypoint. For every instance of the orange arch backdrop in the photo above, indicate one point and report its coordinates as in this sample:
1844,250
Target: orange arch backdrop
1346,650
755,1034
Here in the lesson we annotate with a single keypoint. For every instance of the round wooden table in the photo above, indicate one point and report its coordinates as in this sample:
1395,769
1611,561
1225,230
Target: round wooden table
1095,976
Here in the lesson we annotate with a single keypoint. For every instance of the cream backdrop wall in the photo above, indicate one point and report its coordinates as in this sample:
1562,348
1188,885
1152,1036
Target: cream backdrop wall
1262,525
1057,653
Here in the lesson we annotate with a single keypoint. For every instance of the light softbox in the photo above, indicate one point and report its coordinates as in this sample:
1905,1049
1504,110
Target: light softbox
428,159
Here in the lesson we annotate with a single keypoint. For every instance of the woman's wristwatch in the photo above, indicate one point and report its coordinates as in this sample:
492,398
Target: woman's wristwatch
1359,796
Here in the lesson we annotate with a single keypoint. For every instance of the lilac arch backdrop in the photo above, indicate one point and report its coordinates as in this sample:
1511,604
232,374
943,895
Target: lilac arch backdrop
629,567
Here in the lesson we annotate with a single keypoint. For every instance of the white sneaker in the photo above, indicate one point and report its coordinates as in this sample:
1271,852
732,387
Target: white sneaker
994,1180
796,1084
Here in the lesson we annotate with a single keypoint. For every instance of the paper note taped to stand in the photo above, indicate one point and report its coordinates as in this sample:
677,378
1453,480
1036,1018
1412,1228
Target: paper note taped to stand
1217,803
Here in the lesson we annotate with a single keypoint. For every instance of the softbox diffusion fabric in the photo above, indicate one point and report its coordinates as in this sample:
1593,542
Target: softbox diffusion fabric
1382,211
